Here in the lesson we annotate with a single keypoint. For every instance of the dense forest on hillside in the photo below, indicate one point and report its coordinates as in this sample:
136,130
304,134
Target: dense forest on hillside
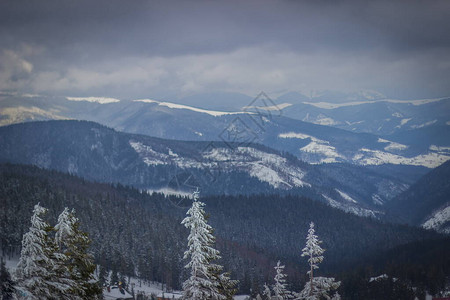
98,153
429,193
137,233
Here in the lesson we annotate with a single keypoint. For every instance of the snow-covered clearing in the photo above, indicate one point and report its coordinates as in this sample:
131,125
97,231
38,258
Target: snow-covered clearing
346,196
316,146
392,146
350,208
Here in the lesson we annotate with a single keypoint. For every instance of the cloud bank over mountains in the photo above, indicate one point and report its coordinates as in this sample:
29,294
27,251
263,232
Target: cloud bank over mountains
148,48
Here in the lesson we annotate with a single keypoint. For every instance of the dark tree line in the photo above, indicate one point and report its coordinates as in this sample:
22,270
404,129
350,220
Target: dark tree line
135,233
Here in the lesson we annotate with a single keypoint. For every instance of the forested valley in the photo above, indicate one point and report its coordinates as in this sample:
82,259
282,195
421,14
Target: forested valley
139,234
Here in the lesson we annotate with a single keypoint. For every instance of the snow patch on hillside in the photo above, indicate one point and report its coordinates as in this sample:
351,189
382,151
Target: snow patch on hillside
424,124
170,192
266,174
438,219
148,155
359,211
381,277
181,106
101,100
346,196
268,108
323,148
377,199
328,105
376,157
324,120
393,146
404,121
440,149
19,114
326,153
267,167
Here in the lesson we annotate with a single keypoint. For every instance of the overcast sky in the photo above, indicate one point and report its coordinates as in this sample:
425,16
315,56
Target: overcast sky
164,49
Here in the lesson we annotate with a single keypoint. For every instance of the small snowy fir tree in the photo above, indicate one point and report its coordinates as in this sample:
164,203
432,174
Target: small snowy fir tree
317,287
40,273
205,281
74,244
227,286
279,289
267,293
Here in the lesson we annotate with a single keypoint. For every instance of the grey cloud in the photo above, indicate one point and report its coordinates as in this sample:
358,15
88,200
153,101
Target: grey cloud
136,47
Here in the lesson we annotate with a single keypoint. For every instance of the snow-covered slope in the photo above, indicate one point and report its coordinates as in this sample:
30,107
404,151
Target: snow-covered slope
101,100
427,202
267,125
19,114
102,154
377,116
439,221
267,167
180,106
329,105
322,151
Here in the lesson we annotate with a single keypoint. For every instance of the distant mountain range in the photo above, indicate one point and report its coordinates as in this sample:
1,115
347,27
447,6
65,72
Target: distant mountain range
102,154
263,121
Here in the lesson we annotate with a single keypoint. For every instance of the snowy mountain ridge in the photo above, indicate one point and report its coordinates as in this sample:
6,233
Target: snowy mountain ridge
329,105
322,151
262,124
180,106
102,154
271,168
100,100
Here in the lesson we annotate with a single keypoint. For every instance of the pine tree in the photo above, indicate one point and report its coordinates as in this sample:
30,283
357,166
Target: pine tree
227,286
40,272
206,280
103,276
7,289
317,287
279,289
267,293
74,244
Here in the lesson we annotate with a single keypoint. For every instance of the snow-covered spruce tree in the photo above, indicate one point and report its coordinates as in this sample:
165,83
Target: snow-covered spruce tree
267,293
317,287
74,244
7,289
41,273
227,286
206,280
279,289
